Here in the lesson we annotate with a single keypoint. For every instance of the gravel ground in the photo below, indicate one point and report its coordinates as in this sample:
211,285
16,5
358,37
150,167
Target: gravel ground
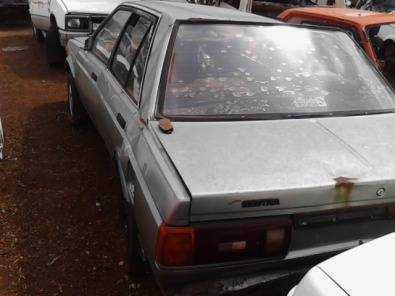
59,227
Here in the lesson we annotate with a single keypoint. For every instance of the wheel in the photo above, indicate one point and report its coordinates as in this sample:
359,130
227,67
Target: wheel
37,34
54,50
75,110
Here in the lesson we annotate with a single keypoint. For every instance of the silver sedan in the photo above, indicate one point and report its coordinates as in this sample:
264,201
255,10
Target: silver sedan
247,149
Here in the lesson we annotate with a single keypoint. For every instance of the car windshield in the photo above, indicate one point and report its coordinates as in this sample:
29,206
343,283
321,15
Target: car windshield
229,70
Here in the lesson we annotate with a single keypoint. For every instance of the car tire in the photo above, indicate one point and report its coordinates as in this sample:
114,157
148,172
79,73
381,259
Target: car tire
75,110
37,34
54,50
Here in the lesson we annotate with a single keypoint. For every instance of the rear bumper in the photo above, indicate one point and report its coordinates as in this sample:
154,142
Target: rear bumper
244,277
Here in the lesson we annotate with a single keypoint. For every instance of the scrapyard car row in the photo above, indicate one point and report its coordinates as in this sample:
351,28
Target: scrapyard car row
57,21
246,148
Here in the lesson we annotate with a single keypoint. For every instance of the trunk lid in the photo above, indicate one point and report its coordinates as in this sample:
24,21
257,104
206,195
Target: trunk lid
272,167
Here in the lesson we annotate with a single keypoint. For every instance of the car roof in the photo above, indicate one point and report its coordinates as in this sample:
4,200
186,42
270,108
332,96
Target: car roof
356,16
178,10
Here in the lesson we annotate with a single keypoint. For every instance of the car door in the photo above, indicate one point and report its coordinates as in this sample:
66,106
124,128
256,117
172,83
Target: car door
124,79
91,67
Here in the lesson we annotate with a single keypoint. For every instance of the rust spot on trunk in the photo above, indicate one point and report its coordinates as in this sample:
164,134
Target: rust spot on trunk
344,187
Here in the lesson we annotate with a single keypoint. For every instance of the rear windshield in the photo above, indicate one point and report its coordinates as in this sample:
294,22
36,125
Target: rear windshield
233,70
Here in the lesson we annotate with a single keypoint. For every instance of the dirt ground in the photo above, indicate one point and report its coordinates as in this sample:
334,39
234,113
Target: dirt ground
59,224
59,227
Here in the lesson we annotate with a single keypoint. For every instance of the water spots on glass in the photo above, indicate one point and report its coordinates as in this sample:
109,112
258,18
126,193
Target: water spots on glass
263,89
260,70
289,92
312,102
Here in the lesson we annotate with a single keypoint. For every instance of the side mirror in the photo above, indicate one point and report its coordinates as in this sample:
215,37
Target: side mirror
88,42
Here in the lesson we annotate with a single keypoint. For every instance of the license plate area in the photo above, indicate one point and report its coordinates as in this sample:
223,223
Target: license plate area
340,216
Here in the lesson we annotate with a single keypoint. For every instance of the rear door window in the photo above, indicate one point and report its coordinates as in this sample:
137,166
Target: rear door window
106,39
129,47
136,74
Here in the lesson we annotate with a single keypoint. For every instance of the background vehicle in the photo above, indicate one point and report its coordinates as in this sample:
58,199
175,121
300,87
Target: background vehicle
373,31
60,20
272,8
243,5
376,5
13,3
364,270
207,113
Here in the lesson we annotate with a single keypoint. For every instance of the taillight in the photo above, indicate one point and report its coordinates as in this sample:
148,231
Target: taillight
275,241
221,242
175,246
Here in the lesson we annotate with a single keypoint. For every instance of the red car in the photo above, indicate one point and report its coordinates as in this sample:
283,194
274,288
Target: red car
373,31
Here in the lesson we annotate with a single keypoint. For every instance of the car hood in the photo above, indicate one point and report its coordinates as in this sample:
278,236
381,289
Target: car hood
92,6
285,166
365,270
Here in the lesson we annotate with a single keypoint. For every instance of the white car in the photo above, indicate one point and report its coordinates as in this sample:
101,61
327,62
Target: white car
59,20
366,270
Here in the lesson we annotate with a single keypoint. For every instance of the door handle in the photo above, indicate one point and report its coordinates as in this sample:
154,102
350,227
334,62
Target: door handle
121,121
94,76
